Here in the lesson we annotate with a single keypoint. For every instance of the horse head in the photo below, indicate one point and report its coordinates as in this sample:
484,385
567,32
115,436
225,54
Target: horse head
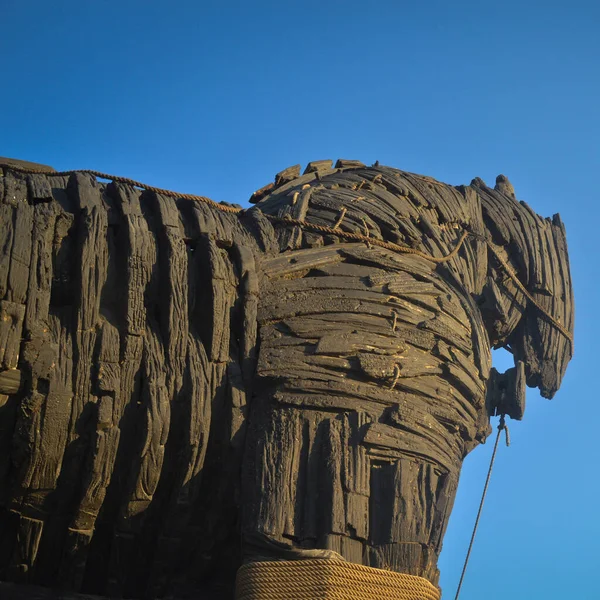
537,330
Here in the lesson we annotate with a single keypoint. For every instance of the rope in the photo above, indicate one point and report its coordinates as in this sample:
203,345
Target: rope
501,426
126,180
346,235
328,579
508,269
358,237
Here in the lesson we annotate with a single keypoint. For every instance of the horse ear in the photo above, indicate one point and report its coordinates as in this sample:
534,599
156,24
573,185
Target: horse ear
538,342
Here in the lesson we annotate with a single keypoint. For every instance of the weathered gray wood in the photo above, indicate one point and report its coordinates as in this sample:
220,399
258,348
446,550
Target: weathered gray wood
39,188
13,162
184,387
6,242
287,175
343,163
10,382
20,257
318,166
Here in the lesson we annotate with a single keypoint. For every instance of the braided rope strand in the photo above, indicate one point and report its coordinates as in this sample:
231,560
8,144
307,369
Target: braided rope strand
358,237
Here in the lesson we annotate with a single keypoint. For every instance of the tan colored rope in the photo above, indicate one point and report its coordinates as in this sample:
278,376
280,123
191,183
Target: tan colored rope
285,221
326,579
126,180
358,237
346,235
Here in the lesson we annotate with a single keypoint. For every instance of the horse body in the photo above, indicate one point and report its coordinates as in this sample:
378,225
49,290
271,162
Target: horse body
203,388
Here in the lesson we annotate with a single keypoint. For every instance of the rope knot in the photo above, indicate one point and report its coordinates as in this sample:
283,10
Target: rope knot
503,426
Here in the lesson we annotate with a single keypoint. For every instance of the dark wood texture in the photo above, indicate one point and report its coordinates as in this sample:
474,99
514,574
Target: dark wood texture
12,591
184,389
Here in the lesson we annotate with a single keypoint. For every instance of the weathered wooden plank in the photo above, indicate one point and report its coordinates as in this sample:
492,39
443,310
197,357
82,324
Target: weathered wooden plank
92,269
382,436
27,544
220,296
145,473
318,166
39,188
161,340
139,250
20,256
40,435
6,243
11,326
10,383
278,472
290,238
344,163
331,495
173,296
346,301
288,174
100,463
565,348
249,291
349,342
260,231
300,261
48,234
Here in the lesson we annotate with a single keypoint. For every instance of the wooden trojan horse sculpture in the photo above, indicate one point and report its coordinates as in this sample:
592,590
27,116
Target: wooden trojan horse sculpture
190,387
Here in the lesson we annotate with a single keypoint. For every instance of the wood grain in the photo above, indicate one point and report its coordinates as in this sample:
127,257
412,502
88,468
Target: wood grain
184,389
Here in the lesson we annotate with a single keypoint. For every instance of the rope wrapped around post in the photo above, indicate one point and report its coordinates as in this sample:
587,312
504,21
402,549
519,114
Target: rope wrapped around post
328,579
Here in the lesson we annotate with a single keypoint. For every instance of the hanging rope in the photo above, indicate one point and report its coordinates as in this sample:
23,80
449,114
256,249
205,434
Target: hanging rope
501,426
126,180
346,235
359,237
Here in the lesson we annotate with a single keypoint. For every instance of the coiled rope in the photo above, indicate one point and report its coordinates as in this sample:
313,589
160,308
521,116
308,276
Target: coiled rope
346,235
328,579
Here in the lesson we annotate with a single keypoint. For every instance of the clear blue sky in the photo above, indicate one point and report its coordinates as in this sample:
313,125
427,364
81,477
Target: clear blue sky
215,97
